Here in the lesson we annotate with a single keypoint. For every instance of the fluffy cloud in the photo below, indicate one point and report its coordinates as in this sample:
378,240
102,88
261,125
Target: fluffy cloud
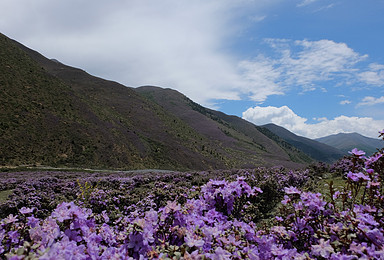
305,64
370,101
285,117
179,44
345,102
260,79
373,76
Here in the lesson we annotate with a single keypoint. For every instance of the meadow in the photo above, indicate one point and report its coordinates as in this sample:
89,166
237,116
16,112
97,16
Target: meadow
322,212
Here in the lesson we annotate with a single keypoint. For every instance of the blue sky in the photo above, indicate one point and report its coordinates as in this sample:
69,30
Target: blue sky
315,67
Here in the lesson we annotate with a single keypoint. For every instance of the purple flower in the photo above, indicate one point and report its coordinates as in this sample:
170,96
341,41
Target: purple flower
107,234
192,240
292,190
135,241
279,219
323,249
69,210
357,248
340,256
357,152
50,231
313,200
376,235
25,210
373,159
62,212
65,249
10,219
336,195
352,177
286,200
73,235
105,216
14,236
172,206
112,253
358,176
220,254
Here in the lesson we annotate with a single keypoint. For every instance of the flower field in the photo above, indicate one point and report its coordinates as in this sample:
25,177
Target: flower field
239,214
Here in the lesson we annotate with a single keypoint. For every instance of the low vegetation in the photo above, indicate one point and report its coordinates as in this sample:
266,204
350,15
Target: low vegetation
255,214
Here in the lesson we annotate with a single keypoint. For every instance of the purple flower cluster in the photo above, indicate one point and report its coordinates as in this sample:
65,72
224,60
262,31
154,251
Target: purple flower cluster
204,226
195,228
149,217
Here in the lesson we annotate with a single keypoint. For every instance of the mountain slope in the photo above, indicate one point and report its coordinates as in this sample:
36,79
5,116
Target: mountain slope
346,142
57,115
316,150
53,114
241,138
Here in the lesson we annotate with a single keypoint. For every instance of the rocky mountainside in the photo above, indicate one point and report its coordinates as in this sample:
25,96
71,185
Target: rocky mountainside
57,115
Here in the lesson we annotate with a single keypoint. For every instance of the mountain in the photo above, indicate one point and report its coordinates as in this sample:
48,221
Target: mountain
317,150
57,115
346,142
242,137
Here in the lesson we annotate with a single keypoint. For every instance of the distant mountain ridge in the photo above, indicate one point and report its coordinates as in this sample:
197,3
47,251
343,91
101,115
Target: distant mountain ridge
57,115
347,141
317,150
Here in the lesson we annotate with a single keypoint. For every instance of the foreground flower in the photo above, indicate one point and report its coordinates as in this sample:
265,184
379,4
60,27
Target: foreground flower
292,190
357,152
323,249
358,176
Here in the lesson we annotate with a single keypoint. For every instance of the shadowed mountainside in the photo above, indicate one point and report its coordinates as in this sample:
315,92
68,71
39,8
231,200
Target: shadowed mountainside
346,142
317,150
53,114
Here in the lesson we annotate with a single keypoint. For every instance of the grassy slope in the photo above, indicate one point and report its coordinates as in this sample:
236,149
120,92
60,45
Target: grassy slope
57,115
228,134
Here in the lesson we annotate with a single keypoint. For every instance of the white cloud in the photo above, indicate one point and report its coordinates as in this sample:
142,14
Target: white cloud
374,75
282,116
306,63
320,119
325,7
179,44
260,79
345,102
306,2
370,101
310,65
257,18
285,117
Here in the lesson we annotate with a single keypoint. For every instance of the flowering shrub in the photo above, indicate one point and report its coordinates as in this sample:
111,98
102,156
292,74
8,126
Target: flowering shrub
214,221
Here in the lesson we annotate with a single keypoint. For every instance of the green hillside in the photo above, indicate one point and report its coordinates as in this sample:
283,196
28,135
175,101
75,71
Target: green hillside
56,115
